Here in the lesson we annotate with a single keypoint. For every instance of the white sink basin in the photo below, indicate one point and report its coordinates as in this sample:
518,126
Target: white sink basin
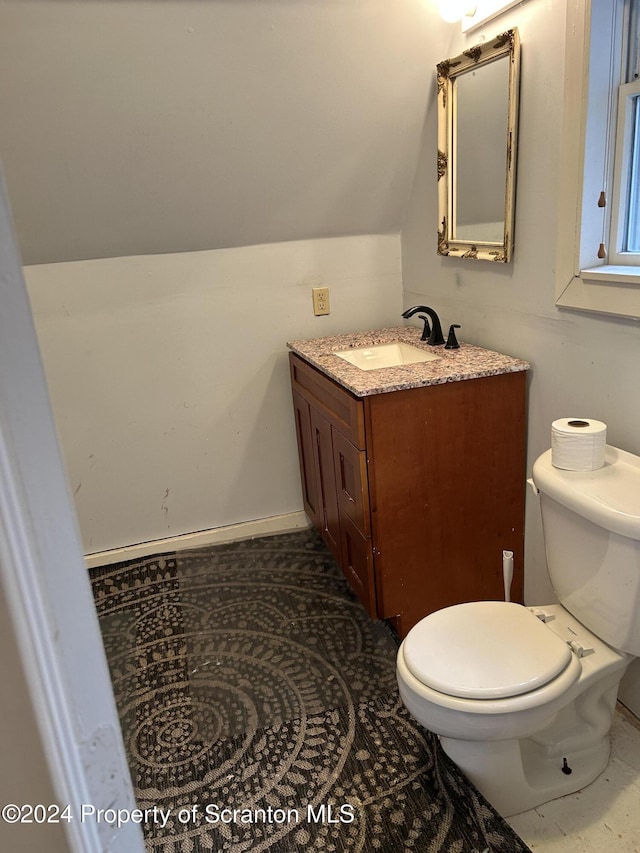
394,354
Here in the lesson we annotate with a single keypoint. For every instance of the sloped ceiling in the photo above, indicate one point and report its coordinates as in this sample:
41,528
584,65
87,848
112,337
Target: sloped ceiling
146,126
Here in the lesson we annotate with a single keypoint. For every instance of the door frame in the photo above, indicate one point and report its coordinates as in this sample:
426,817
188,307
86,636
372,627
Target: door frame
47,588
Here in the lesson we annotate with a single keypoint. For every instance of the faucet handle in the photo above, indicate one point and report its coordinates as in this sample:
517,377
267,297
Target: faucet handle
427,328
452,341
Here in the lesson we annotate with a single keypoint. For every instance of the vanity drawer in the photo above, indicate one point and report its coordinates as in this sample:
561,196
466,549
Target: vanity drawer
341,408
357,563
351,482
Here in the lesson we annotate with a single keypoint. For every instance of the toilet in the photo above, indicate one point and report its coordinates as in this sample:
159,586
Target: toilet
522,698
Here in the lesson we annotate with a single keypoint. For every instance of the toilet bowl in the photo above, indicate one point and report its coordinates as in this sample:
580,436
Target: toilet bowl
533,719
522,698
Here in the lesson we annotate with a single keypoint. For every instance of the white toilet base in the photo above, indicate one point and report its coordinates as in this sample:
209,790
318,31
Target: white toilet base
515,777
518,774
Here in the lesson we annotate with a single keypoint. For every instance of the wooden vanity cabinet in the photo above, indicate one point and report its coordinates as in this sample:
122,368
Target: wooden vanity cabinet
415,492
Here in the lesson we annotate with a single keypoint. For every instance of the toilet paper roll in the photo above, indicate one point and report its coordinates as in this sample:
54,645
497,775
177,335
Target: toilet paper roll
577,444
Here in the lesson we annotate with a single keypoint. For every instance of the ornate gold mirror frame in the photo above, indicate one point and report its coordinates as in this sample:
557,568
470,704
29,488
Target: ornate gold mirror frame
477,143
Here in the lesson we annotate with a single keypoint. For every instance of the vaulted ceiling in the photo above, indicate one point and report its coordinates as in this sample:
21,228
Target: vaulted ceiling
148,126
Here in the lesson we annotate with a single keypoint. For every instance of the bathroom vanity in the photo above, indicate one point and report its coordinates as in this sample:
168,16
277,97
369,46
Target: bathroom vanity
414,475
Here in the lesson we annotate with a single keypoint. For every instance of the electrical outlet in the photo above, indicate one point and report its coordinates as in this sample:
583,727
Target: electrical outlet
320,300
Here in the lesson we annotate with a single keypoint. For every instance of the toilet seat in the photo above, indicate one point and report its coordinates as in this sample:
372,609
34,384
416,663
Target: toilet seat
494,650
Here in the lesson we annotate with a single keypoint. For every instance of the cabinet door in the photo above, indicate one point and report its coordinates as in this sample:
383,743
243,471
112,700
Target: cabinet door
329,523
351,482
357,564
304,435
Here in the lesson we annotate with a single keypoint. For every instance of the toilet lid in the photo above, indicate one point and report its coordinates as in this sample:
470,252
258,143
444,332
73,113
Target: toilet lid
484,650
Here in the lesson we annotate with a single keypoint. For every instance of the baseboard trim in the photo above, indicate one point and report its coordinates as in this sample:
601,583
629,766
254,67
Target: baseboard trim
215,536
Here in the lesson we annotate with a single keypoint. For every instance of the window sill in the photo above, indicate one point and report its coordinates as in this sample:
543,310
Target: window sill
612,274
613,290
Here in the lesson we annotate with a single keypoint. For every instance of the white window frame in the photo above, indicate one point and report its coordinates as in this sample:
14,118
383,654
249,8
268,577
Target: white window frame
593,54
625,127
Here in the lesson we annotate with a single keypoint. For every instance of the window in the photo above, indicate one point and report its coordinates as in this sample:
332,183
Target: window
624,233
599,226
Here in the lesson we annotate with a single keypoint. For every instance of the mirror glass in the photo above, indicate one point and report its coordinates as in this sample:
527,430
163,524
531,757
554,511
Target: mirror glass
477,123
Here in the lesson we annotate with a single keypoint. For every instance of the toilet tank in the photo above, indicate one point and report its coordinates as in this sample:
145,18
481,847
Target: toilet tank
591,524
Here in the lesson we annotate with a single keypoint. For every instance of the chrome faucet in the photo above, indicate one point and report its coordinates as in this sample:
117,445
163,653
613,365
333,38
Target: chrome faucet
435,336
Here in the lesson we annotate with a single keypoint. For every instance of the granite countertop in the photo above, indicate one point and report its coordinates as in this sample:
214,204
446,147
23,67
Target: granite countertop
452,365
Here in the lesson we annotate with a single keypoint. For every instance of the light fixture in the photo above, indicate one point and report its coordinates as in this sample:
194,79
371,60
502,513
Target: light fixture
452,11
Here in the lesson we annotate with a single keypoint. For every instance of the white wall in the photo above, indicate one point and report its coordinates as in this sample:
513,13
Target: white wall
169,376
582,365
135,133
